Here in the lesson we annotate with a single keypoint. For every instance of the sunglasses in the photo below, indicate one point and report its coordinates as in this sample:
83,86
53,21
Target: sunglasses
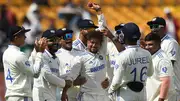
156,26
67,36
118,31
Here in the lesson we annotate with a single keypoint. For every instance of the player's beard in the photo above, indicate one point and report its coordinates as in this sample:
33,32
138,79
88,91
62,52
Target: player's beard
53,48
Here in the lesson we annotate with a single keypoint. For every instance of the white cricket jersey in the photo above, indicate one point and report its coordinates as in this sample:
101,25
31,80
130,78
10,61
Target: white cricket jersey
93,67
49,78
162,68
171,47
132,64
66,58
19,71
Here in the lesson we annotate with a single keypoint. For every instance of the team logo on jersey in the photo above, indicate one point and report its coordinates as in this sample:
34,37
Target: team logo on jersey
100,57
27,63
164,69
173,52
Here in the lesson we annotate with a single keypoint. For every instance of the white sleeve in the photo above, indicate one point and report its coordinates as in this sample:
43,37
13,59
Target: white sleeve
101,21
53,79
28,67
118,74
150,69
172,50
76,68
164,68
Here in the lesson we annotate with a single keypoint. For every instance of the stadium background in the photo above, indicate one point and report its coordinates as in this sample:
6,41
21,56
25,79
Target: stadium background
115,11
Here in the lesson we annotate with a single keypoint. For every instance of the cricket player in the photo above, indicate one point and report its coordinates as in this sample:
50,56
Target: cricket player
88,25
44,88
169,45
160,86
132,66
66,55
18,70
92,65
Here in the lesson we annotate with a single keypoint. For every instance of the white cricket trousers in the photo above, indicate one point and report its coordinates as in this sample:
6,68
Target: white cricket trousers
126,94
41,95
92,97
18,98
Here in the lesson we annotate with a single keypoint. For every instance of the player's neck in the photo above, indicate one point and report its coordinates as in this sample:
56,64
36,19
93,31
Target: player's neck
83,39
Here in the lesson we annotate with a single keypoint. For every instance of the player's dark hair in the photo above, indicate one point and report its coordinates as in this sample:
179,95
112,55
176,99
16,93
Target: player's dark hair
153,37
95,34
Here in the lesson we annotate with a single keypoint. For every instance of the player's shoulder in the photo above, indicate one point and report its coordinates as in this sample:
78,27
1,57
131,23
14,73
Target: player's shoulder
168,40
76,42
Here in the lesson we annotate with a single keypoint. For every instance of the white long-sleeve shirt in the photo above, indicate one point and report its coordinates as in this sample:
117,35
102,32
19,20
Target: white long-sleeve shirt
19,71
93,67
132,64
49,78
66,58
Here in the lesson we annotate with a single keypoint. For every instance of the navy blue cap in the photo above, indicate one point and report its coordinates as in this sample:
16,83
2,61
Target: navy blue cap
63,31
86,23
119,27
157,20
16,30
49,33
131,31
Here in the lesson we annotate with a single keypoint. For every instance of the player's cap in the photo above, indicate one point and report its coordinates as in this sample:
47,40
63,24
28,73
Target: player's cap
131,31
86,23
16,30
118,27
49,33
158,21
63,31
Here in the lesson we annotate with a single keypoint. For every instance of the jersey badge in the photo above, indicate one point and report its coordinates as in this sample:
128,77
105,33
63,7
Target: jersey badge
27,63
164,69
100,57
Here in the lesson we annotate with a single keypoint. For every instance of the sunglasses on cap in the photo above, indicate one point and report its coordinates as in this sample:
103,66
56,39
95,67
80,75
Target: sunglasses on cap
156,26
118,31
67,36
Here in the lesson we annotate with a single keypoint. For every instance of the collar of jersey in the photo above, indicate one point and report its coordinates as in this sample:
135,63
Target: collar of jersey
82,43
48,53
154,55
164,37
131,46
96,54
15,47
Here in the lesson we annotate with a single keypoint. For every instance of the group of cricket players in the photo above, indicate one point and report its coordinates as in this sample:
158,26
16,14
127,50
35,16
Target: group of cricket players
91,68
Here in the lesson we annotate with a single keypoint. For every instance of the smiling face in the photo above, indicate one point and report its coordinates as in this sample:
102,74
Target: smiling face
66,41
93,45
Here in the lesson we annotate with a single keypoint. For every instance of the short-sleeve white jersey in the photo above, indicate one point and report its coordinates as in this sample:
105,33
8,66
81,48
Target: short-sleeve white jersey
132,64
171,47
162,68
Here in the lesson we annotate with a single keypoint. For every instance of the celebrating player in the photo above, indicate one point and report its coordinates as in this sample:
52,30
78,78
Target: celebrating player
44,88
18,70
160,86
66,55
132,66
169,45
